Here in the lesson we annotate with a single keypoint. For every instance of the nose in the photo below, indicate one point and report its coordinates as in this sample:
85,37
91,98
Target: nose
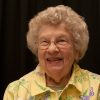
52,48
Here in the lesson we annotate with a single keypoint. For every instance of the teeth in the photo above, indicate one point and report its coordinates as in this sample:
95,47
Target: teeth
54,59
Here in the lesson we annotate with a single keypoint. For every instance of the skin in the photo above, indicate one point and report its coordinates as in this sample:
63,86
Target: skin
57,62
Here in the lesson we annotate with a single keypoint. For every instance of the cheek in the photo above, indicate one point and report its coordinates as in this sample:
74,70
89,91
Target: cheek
41,56
69,55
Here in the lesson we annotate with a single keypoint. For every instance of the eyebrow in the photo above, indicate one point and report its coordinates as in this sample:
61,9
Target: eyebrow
61,35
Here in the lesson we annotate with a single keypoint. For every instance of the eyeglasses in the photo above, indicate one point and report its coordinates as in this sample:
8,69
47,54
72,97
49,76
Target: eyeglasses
61,44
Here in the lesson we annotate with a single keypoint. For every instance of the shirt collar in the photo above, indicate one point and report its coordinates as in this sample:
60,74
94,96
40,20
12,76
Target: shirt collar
79,78
38,85
76,80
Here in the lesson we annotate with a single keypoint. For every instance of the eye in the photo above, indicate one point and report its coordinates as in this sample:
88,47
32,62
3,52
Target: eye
43,43
62,41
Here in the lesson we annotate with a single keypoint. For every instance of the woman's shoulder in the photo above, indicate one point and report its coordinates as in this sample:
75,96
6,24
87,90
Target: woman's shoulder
87,74
94,77
21,86
23,81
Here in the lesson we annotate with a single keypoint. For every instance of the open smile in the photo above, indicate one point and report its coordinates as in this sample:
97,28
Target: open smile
54,59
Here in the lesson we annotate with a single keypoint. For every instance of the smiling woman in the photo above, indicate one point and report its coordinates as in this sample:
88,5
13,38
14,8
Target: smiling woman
58,53
59,37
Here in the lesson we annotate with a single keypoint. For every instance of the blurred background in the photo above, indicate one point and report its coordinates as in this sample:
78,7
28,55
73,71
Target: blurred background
16,59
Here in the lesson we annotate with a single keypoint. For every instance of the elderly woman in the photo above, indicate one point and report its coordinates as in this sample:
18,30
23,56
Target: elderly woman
59,38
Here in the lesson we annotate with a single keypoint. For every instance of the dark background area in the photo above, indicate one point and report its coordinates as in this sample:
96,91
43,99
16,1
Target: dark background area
16,59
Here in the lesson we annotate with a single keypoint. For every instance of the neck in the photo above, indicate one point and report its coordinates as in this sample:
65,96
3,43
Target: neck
55,83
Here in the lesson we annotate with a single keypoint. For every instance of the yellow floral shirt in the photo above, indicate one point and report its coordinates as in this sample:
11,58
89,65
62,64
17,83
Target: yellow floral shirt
83,85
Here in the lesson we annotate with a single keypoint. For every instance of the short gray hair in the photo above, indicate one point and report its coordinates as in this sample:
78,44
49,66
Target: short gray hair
56,15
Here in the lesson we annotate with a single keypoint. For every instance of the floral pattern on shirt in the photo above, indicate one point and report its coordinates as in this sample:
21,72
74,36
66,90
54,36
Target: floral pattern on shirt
83,85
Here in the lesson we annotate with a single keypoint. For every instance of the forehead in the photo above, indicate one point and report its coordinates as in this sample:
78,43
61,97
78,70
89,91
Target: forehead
53,30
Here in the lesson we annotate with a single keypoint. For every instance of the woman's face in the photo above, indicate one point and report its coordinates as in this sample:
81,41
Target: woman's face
56,52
